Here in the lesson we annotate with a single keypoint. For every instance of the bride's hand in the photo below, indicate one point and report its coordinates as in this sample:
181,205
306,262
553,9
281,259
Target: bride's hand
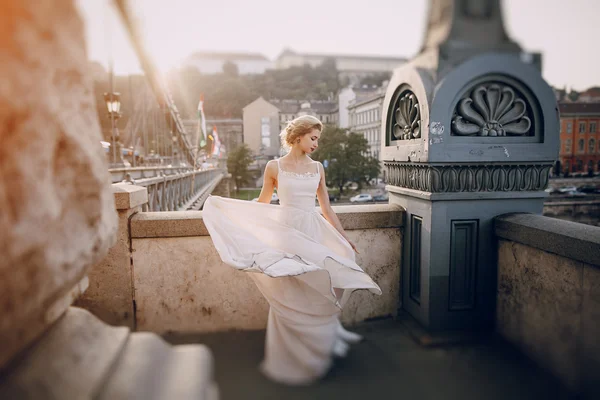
353,246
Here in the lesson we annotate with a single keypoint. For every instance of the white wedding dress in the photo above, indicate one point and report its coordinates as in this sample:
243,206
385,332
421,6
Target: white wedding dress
298,258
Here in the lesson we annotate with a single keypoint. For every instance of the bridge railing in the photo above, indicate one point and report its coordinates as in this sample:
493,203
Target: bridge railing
136,173
179,190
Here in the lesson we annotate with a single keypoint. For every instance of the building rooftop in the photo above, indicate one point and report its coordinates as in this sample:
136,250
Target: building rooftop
215,55
293,106
289,52
579,108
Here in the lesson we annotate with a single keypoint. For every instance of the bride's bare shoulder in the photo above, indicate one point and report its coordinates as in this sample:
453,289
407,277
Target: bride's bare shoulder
271,167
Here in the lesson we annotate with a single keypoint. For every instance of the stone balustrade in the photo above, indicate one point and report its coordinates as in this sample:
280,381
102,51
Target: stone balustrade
165,274
548,301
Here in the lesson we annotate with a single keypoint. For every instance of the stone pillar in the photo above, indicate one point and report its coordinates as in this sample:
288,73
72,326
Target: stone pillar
57,213
470,131
110,295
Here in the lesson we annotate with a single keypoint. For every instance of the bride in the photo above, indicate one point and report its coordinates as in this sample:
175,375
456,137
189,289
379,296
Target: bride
303,263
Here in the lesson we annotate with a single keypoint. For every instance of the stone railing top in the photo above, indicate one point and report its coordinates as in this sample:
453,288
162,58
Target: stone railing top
129,196
189,223
565,238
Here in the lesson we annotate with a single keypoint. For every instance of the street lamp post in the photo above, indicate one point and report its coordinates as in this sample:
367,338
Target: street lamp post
113,106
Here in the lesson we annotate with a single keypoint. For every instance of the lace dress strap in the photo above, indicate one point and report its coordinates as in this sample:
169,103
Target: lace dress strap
318,169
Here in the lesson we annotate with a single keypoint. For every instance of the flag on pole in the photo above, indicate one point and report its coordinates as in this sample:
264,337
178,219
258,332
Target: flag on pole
201,124
216,149
201,130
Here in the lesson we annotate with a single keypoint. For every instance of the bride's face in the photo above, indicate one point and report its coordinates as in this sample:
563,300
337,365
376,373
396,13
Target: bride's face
309,142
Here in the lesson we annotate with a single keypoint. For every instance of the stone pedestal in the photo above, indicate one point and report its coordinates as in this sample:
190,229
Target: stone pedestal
111,295
470,131
57,213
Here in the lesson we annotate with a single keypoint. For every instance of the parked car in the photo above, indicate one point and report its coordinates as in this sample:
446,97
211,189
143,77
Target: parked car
588,189
574,193
361,198
332,197
566,189
381,197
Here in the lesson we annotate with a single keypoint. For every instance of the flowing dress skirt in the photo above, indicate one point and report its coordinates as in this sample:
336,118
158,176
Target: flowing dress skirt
299,262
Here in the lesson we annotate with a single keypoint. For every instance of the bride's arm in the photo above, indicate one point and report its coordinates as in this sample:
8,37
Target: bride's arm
328,212
269,182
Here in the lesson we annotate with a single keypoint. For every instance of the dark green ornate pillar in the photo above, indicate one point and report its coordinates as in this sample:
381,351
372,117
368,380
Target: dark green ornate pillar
471,131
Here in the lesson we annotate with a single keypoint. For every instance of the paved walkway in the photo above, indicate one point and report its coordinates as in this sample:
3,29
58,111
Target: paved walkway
389,364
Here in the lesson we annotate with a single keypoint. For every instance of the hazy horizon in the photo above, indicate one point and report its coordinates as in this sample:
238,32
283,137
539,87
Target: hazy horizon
564,34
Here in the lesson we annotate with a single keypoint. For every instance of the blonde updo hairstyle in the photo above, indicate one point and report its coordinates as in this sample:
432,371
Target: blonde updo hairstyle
297,128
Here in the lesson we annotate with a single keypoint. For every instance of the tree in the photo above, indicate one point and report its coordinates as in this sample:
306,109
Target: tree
347,159
230,69
228,92
238,161
375,79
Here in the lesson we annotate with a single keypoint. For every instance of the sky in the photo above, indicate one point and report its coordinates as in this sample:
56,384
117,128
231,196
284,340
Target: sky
566,33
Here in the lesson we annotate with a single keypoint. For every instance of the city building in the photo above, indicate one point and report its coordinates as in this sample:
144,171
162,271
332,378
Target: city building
365,118
263,121
352,67
212,62
579,136
262,128
326,111
353,93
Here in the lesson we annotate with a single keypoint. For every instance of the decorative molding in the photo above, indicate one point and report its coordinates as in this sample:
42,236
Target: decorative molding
492,109
469,177
464,243
416,223
406,114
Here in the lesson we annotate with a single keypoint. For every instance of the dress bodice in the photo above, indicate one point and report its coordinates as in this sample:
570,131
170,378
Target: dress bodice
298,190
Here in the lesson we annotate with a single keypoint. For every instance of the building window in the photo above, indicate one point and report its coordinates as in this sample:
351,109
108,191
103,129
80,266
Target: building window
581,145
591,146
582,127
592,127
568,146
569,127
